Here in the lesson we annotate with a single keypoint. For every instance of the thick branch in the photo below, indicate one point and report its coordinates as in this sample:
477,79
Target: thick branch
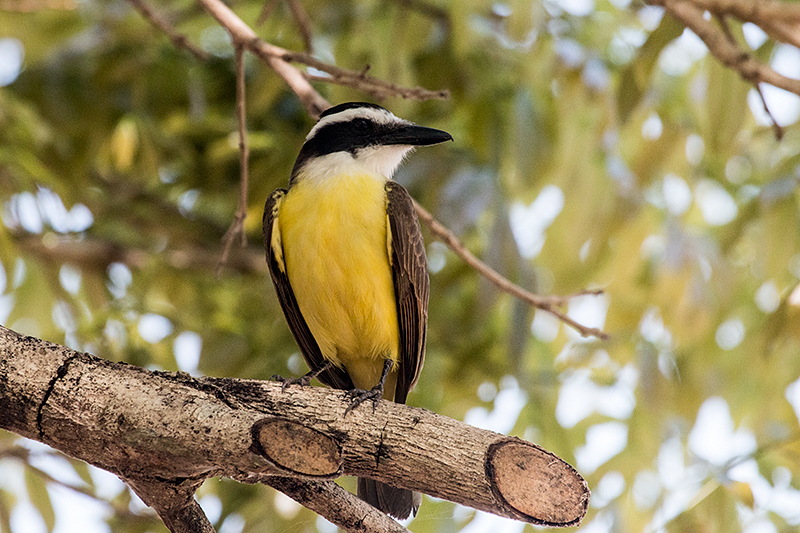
176,430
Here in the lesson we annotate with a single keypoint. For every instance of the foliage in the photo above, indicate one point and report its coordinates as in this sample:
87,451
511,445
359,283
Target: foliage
656,183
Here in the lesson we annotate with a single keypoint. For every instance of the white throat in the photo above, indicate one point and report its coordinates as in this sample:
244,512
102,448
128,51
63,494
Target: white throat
381,161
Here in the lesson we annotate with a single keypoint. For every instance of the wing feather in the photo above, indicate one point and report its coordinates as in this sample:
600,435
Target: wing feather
411,285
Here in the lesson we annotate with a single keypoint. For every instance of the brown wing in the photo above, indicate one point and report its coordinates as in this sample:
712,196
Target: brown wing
334,377
411,285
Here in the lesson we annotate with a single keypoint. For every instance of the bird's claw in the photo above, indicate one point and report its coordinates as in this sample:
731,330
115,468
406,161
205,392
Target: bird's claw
360,396
303,381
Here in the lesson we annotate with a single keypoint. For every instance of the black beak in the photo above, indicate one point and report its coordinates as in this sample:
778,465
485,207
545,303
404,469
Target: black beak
413,135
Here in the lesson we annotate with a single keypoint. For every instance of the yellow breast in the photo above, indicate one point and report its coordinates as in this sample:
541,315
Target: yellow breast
334,236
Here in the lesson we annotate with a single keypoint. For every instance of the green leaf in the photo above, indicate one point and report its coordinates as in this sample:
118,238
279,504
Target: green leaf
40,498
635,77
7,502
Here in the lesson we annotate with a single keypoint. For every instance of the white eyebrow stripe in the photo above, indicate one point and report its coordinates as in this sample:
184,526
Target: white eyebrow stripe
380,116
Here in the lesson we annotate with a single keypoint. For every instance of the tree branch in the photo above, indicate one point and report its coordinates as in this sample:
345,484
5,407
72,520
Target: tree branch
169,432
237,226
429,10
96,254
174,503
754,10
314,103
266,11
545,303
303,23
278,58
779,20
177,38
31,6
727,52
326,498
378,88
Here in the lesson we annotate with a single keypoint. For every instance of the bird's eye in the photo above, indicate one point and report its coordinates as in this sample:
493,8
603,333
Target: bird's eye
361,124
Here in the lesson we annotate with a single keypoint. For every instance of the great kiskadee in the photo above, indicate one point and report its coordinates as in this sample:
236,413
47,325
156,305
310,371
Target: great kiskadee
348,262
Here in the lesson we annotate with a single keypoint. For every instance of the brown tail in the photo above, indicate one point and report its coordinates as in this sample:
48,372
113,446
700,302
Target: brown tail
399,503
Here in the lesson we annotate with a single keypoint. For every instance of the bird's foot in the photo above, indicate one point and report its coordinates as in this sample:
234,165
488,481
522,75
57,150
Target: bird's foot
360,396
303,381
375,393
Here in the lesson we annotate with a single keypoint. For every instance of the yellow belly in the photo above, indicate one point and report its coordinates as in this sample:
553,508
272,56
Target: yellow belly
334,238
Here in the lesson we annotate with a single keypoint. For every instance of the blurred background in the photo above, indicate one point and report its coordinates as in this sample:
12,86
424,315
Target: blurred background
597,145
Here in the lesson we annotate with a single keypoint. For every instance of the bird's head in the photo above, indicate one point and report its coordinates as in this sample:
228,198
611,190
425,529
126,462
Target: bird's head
358,134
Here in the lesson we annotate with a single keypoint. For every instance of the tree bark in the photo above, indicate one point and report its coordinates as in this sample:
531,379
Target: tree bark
169,430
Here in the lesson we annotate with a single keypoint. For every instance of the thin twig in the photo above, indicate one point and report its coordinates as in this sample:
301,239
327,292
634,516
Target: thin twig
722,18
359,80
726,30
237,226
24,455
303,23
179,39
278,58
429,10
30,6
545,303
266,11
775,126
314,103
381,93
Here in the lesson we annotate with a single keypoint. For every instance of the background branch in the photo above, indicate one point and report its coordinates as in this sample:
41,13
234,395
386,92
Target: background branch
545,303
326,498
178,39
266,10
728,53
376,87
278,59
754,10
31,6
303,23
93,253
429,10
174,503
237,226
314,103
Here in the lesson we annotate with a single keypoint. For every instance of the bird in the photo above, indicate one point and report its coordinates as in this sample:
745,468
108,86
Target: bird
347,259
